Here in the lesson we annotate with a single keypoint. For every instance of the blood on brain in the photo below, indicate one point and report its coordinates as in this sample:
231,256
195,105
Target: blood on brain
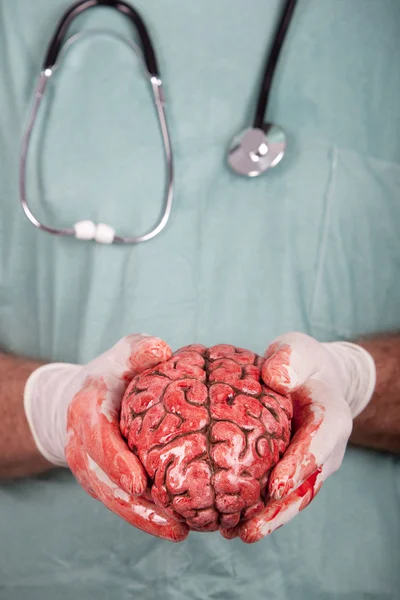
208,432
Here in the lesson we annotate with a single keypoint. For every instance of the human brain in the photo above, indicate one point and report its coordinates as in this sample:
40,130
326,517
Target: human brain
208,432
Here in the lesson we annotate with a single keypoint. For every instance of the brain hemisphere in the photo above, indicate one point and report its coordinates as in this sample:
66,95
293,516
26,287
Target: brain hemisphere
208,432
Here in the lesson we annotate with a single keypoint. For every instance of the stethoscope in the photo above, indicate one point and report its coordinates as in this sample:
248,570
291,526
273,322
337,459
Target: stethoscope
252,152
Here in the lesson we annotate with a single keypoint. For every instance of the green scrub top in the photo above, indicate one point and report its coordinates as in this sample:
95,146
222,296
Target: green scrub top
311,246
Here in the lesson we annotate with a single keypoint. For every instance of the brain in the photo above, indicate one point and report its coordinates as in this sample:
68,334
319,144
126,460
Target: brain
208,433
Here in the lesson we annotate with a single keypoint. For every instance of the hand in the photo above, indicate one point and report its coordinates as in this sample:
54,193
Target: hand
329,384
73,412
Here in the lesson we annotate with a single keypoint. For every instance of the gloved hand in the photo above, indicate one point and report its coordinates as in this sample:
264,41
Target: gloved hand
330,384
73,413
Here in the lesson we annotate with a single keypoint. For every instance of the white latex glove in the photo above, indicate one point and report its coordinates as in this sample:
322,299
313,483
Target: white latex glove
330,384
73,413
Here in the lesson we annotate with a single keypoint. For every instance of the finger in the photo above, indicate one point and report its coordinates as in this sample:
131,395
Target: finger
323,427
131,355
76,461
231,533
290,362
135,510
280,512
101,438
147,352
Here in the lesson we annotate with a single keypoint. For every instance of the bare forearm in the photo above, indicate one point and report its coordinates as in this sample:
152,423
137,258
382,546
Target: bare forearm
19,456
378,426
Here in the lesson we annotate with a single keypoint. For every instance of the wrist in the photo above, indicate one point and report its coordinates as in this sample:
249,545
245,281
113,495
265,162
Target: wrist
357,369
46,408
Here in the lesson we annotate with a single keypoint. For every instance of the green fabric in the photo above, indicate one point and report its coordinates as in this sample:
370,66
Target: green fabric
313,246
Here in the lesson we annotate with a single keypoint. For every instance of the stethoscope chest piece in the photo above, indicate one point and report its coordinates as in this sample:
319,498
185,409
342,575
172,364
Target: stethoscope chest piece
254,150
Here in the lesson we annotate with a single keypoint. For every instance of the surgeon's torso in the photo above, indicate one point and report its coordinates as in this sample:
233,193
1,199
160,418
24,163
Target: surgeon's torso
312,245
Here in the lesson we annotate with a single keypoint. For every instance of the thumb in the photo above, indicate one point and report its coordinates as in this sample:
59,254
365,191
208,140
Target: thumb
290,361
131,355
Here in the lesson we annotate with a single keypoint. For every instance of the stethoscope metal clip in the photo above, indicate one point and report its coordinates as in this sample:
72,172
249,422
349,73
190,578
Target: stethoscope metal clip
251,153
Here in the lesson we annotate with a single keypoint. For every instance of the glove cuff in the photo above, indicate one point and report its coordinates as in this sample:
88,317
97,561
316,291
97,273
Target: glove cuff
46,408
360,370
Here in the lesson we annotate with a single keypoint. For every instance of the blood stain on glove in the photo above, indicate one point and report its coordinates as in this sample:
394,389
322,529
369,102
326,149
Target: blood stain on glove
208,432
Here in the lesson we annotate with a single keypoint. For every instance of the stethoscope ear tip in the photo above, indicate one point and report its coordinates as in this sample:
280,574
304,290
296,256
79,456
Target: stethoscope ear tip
255,150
